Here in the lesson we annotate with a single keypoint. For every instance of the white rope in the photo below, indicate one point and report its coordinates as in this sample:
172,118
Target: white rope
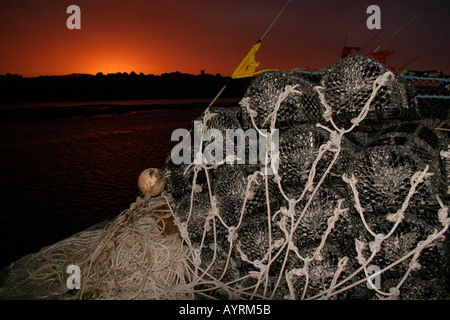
288,90
379,82
352,181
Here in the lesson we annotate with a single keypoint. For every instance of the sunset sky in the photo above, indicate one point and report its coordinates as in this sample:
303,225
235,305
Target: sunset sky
159,36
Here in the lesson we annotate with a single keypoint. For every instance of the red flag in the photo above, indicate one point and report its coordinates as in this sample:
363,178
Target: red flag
346,51
380,55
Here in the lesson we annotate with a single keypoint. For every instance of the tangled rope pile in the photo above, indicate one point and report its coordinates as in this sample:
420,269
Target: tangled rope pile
131,258
345,205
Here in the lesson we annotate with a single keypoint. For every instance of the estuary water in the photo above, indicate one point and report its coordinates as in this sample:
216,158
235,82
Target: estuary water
67,166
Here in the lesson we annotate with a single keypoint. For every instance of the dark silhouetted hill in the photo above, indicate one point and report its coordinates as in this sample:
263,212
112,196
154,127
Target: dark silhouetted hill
118,86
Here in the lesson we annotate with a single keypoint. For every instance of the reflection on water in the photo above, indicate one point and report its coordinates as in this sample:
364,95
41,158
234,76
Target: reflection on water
58,177
69,104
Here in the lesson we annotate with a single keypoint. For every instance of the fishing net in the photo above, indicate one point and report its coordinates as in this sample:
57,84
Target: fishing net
321,215
136,256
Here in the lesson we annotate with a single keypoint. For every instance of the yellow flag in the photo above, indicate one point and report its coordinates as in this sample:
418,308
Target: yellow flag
247,66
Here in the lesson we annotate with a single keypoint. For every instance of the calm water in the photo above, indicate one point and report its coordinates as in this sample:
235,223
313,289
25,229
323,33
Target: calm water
58,177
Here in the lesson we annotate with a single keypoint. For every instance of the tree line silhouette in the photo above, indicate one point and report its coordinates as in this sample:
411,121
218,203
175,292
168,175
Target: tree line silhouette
118,86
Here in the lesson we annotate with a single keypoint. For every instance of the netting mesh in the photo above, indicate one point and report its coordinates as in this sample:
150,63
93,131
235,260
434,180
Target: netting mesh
349,84
300,104
333,215
299,149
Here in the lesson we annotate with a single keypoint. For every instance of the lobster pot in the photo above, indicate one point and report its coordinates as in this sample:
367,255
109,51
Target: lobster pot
428,279
241,191
421,140
384,174
265,98
299,148
349,84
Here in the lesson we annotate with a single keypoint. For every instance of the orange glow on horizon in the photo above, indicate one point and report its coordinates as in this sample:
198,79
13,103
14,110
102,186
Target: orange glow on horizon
110,61
155,37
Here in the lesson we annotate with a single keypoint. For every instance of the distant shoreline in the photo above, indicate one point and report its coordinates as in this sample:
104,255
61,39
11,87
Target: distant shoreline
121,86
54,110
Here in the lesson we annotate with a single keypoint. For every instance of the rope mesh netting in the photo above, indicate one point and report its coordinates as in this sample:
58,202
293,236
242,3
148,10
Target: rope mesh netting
335,212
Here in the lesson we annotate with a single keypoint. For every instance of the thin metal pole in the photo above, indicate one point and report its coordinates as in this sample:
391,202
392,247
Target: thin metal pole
275,20
190,130
408,63
398,30
367,43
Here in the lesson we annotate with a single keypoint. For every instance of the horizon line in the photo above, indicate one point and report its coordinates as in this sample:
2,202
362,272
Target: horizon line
112,73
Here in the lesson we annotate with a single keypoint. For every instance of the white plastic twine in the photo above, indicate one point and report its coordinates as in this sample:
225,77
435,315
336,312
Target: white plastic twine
288,90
